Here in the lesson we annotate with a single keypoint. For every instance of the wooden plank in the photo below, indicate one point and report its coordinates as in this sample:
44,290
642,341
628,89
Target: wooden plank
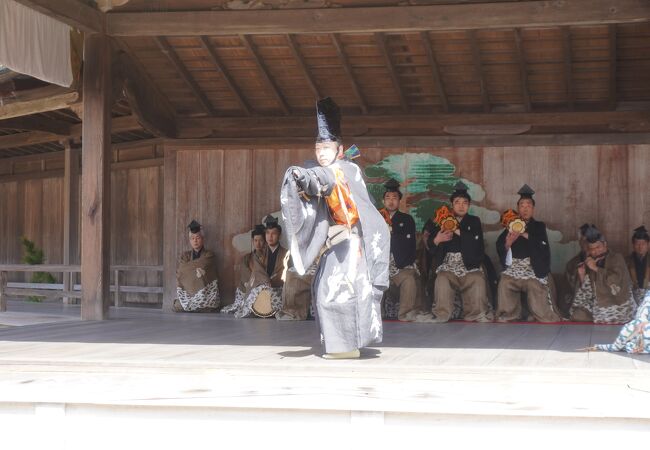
379,19
523,70
435,70
380,38
96,157
568,69
40,268
216,60
336,41
35,123
300,61
478,68
264,72
612,67
170,256
49,102
3,293
169,52
72,12
613,198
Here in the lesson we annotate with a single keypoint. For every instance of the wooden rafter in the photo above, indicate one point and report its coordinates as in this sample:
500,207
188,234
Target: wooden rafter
540,13
34,123
523,71
380,38
58,100
293,45
348,70
167,49
612,67
435,70
478,67
568,69
216,60
264,72
72,12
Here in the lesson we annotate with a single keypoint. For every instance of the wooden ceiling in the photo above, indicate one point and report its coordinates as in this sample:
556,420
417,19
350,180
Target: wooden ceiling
568,68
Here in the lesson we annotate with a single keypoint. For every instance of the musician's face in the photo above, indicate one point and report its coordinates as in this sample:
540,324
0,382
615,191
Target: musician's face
597,249
272,237
391,201
460,206
525,208
258,242
327,152
641,247
196,241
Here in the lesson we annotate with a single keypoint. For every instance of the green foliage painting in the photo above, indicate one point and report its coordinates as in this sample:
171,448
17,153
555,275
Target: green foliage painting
34,255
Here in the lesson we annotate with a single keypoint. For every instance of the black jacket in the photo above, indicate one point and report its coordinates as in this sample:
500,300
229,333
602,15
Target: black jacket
536,247
402,239
469,243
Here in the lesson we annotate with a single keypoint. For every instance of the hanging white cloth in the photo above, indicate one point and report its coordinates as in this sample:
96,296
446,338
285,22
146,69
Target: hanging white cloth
34,44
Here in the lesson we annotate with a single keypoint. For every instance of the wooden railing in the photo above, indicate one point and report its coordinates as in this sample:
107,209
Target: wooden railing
67,289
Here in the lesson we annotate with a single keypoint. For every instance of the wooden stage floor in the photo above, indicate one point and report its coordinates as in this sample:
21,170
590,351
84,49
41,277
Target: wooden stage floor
146,358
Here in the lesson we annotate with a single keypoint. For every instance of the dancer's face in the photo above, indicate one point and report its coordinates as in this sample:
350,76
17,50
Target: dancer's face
327,152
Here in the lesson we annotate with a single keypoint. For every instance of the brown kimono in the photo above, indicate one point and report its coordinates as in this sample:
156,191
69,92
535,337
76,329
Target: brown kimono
605,296
639,290
197,285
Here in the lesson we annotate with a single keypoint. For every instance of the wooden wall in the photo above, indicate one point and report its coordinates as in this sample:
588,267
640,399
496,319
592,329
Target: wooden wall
606,185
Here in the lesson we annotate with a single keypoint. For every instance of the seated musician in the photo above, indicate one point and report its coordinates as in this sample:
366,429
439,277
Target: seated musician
638,263
296,294
404,286
196,276
604,292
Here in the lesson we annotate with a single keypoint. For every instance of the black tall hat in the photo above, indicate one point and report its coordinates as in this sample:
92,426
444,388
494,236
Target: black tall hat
525,192
641,233
194,227
328,115
460,190
593,234
258,230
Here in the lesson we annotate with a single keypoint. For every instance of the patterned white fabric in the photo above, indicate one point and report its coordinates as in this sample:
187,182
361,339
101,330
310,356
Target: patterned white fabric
243,305
393,270
208,297
521,269
585,298
453,263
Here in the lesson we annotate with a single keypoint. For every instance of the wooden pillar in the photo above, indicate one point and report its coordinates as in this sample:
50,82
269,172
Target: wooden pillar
96,161
3,295
169,230
70,214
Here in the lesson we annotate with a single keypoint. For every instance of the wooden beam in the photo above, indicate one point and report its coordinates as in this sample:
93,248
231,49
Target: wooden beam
612,67
119,125
48,102
380,38
169,230
154,112
435,70
478,67
33,123
348,70
167,49
264,72
568,70
378,142
300,61
540,13
75,13
216,60
416,121
70,211
523,71
96,189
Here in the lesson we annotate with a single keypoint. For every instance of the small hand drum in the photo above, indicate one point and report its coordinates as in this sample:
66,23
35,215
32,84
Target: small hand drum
262,305
517,226
449,224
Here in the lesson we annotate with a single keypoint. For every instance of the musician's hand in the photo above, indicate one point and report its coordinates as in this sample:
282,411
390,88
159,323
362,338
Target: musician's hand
511,238
443,236
591,263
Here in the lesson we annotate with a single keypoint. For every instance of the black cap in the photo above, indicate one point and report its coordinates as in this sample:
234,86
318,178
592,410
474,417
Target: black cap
258,230
525,192
583,229
641,233
271,222
194,227
328,116
393,185
593,234
460,190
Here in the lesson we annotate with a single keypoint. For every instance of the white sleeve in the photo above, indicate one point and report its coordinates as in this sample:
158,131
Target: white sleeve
509,258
